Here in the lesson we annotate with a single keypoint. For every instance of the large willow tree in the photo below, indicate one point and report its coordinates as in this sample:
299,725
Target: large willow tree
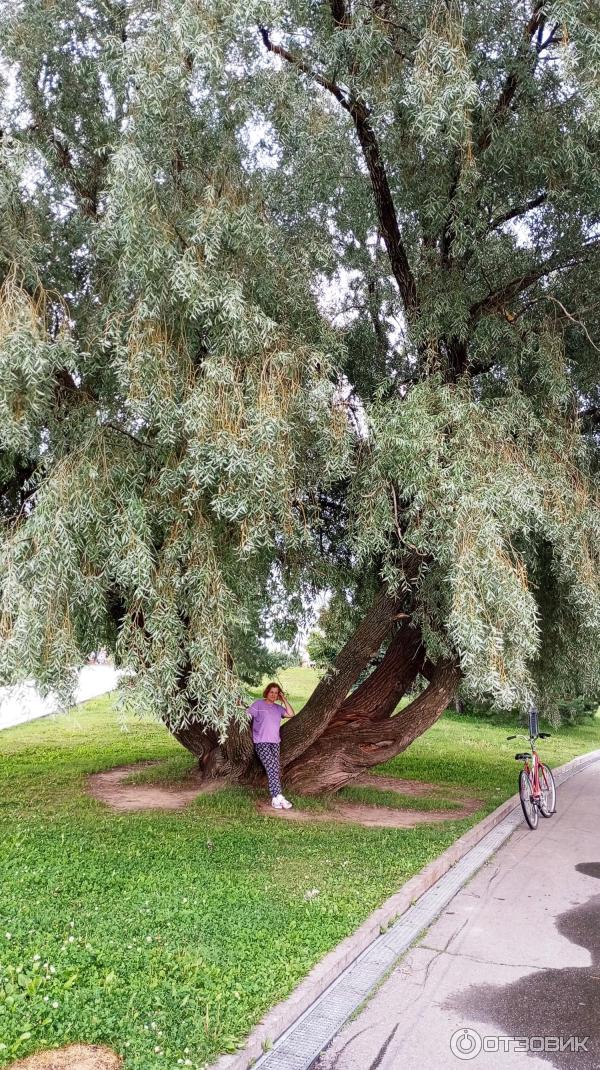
298,297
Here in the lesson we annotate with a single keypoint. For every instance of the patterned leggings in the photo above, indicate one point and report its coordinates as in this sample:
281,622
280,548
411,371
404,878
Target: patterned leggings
268,754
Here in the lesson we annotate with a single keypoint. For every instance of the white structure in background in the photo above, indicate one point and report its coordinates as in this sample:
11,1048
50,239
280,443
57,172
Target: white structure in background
23,702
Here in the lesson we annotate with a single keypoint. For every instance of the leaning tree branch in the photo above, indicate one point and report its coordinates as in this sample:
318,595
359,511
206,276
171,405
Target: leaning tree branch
573,319
360,114
340,94
553,38
299,733
534,25
411,722
518,211
513,78
393,23
128,434
506,293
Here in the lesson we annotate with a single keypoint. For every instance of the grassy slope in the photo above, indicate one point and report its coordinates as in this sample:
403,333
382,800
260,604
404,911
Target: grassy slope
176,931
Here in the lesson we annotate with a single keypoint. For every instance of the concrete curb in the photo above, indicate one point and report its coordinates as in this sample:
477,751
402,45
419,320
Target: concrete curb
284,1014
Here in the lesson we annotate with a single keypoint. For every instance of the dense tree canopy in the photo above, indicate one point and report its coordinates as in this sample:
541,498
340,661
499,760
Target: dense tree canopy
298,297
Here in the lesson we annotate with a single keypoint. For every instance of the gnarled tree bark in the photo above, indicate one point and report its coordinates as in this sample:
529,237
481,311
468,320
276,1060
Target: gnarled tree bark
236,758
336,760
338,735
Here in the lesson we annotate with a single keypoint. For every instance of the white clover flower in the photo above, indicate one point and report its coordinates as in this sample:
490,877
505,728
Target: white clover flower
312,893
71,939
55,1003
8,936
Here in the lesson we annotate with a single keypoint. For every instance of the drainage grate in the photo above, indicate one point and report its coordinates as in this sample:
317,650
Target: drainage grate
299,1046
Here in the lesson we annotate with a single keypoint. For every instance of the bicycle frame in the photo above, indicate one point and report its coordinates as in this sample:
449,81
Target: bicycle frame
532,769
535,779
534,797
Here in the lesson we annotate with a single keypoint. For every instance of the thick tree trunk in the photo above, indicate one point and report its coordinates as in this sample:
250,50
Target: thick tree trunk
232,759
378,696
375,700
204,745
329,694
338,735
336,759
236,758
361,734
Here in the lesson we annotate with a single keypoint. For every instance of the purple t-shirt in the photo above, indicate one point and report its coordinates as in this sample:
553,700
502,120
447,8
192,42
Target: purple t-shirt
266,720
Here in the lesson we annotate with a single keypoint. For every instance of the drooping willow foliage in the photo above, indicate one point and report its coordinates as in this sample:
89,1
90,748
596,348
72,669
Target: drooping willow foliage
166,378
291,294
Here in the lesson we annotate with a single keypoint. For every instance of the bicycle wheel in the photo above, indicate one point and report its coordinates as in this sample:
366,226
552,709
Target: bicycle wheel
526,792
548,791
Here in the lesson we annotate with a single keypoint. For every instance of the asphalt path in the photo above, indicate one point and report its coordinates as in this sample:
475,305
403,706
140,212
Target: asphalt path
508,977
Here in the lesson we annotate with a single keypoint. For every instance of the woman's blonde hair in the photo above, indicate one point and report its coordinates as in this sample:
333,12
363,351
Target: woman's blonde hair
269,686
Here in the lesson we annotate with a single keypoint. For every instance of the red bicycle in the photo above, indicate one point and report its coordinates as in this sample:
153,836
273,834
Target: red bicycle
537,789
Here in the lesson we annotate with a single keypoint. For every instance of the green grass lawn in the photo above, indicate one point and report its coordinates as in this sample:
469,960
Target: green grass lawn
167,936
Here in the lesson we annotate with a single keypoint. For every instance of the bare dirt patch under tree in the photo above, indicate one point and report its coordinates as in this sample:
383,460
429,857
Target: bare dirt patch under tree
111,788
73,1057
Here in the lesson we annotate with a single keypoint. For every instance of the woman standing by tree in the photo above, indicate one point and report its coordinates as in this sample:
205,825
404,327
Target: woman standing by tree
266,714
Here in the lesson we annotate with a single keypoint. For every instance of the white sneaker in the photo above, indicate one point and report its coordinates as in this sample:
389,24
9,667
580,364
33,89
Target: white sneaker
284,802
276,802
